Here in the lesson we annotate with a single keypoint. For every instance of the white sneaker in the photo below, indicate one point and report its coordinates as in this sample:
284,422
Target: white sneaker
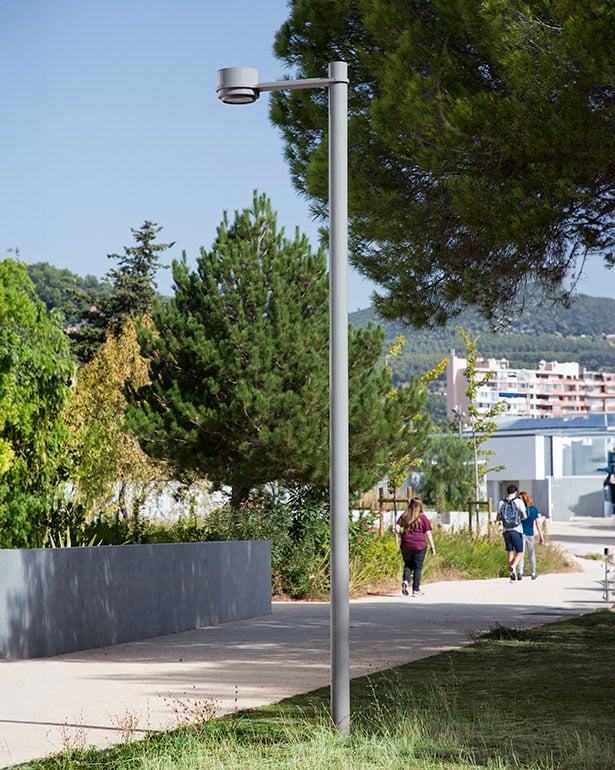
404,588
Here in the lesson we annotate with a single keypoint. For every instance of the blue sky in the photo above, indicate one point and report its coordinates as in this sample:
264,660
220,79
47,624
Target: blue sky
110,117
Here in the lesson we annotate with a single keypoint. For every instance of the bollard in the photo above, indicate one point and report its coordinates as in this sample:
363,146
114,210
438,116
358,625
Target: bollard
609,575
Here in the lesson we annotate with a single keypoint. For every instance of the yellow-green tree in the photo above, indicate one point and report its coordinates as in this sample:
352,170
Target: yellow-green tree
420,425
482,422
111,473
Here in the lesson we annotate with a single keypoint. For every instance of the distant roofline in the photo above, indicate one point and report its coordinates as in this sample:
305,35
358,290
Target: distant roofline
589,423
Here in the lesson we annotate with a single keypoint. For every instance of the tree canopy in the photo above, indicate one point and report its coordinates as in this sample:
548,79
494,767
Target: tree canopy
58,288
110,472
36,374
481,143
133,291
239,369
447,473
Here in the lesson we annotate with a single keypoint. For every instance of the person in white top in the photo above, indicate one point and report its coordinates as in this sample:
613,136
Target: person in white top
511,512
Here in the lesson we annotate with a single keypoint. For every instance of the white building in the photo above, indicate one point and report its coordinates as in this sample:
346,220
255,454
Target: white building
561,462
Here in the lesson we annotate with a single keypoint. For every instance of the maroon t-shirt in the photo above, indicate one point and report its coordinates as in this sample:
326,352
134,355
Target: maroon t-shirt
415,538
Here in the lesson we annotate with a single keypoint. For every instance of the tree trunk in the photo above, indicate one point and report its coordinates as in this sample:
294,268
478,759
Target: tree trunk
239,493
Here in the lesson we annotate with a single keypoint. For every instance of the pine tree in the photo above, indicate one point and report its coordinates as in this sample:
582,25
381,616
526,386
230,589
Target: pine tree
133,292
239,360
481,144
133,280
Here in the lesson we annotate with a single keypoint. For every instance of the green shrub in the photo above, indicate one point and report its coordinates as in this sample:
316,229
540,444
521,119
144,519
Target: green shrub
379,560
298,528
462,556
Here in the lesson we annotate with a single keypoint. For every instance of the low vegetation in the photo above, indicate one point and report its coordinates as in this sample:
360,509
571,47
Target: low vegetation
298,530
533,699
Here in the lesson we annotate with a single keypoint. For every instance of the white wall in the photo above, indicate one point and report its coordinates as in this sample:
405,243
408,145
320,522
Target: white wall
568,488
522,456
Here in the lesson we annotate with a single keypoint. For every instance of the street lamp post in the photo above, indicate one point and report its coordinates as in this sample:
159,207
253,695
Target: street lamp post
459,415
240,85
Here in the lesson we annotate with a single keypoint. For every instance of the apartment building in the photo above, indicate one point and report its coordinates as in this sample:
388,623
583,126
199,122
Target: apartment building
553,389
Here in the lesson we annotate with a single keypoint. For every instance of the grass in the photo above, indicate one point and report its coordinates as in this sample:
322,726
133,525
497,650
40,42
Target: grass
460,556
537,699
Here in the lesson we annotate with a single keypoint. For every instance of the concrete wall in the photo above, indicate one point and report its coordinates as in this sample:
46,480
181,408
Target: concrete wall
523,457
65,599
576,496
559,499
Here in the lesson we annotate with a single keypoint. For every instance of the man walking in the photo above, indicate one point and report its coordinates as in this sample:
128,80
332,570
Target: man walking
511,512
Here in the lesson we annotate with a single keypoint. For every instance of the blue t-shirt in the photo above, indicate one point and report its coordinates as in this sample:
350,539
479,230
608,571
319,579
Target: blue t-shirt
528,524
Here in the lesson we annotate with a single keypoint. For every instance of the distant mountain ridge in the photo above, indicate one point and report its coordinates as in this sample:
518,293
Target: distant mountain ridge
583,332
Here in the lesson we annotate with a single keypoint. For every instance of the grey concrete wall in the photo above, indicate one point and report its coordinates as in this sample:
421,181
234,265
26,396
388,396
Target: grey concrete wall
576,496
65,599
561,498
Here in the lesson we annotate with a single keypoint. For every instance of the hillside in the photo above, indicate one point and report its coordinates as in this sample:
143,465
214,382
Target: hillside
63,289
581,332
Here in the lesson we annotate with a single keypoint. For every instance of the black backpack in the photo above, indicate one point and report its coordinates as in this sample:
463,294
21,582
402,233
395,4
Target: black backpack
510,514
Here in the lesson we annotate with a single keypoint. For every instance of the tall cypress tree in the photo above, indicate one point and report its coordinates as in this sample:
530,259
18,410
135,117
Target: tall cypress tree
239,389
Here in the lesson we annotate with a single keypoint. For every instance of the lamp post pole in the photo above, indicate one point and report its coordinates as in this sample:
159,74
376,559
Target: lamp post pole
240,85
459,415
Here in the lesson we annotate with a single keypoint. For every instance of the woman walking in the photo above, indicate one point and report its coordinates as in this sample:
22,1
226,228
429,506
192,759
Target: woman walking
529,525
415,530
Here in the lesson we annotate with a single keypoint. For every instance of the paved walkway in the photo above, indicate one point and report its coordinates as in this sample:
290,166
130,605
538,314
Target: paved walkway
99,697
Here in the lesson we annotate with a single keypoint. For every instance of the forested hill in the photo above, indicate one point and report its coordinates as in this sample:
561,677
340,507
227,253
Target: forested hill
554,333
578,333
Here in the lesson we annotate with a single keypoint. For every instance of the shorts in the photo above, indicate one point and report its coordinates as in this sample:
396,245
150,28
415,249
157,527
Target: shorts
513,540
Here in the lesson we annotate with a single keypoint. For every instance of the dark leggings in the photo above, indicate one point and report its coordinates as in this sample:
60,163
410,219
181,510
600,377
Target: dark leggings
413,563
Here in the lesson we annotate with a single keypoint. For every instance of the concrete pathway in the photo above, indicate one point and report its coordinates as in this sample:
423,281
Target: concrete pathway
103,696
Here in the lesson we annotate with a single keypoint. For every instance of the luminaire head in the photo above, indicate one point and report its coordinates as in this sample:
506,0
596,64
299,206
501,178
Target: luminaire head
238,85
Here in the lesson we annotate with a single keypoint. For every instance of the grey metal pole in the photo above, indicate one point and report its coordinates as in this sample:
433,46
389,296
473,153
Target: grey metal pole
240,85
339,469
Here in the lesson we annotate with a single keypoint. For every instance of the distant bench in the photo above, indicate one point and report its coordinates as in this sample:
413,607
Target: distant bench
56,600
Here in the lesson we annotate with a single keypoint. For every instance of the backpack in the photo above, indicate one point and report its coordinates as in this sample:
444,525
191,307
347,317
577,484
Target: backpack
510,515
